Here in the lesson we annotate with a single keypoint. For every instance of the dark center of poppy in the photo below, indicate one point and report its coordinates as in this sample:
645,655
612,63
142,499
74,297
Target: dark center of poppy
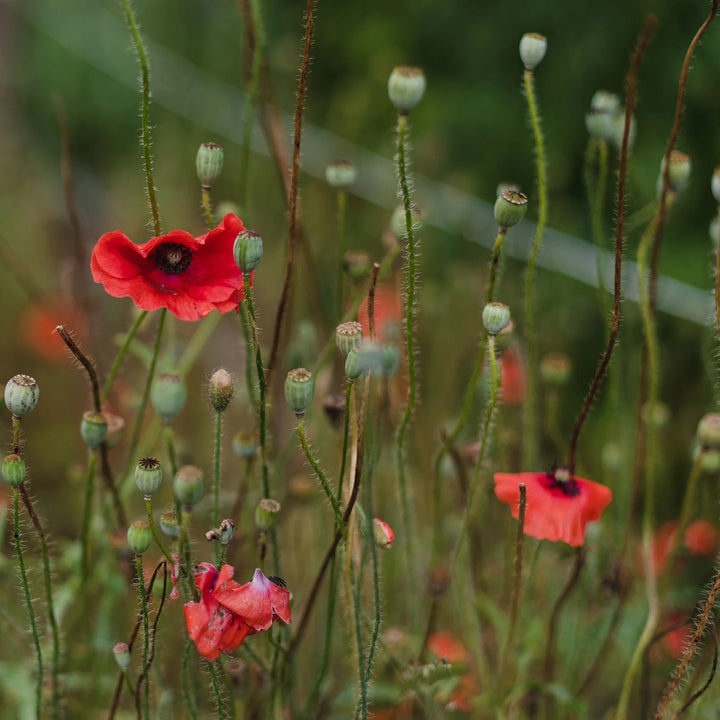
561,480
173,258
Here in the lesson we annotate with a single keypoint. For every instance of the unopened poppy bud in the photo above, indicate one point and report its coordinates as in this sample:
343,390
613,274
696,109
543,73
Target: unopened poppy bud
406,87
340,174
209,163
334,407
168,395
510,208
188,485
248,251
389,359
299,390
398,221
532,49
555,368
221,390
223,533
93,429
495,317
21,394
139,537
348,336
13,470
715,184
708,431
383,534
244,445
267,513
356,265
121,651
115,430
148,475
679,173
169,523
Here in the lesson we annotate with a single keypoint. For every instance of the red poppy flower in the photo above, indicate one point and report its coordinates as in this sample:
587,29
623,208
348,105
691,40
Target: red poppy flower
218,627
189,276
387,311
558,507
701,538
38,322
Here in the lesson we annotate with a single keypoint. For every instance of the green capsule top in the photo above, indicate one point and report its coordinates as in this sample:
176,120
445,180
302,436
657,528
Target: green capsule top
148,475
189,485
13,470
510,208
248,251
93,429
168,395
209,163
139,537
340,174
348,336
299,390
496,317
21,394
406,87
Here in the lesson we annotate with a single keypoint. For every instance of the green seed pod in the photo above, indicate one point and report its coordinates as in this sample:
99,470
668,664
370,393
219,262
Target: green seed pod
93,429
248,251
398,222
168,395
348,336
139,537
604,108
299,390
510,208
148,475
221,390
406,86
495,317
122,655
21,394
169,523
266,514
245,444
389,359
555,369
679,175
13,470
532,49
209,163
188,485
708,431
367,357
340,174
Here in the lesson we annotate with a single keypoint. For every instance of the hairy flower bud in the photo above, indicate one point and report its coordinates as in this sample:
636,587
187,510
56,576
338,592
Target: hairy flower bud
221,390
383,534
122,655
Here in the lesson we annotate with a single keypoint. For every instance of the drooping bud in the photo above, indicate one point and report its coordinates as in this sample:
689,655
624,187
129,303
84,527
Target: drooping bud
555,368
21,394
495,317
168,395
532,49
340,174
267,513
708,431
406,86
139,537
679,173
383,534
188,485
299,390
348,336
398,221
148,475
223,533
248,251
169,523
510,208
244,444
13,470
209,163
93,429
221,390
122,655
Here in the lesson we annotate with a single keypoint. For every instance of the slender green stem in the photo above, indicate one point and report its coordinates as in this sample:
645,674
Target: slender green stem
28,603
410,272
217,691
170,446
156,534
216,480
355,574
494,263
135,439
47,579
341,246
146,640
189,681
529,458
87,513
318,470
249,355
206,207
145,113
129,337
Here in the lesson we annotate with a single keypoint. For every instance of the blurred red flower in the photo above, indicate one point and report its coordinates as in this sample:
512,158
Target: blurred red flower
513,378
189,276
228,612
387,311
447,648
701,538
38,322
559,507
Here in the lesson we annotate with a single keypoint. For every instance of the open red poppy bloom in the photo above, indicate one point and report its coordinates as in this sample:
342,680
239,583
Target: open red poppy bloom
187,275
217,627
558,507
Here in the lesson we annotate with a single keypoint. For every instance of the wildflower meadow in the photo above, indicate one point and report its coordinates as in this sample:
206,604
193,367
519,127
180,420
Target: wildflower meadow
360,361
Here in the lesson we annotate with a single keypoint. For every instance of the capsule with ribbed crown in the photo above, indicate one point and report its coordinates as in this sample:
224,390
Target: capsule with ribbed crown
168,395
510,208
21,394
148,476
299,390
248,251
532,49
93,429
406,87
139,537
209,163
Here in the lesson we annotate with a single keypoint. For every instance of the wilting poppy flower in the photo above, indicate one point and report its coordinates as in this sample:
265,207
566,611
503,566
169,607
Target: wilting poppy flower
217,627
558,507
387,311
187,275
